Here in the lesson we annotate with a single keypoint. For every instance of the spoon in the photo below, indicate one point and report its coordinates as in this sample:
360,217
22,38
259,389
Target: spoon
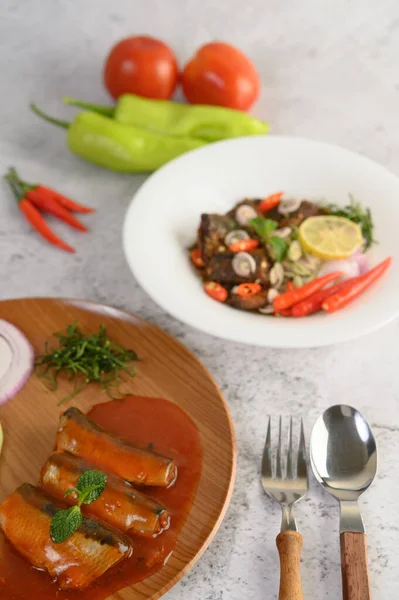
343,455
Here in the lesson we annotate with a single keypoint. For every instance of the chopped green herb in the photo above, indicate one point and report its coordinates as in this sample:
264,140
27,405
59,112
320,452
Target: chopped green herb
355,212
85,359
89,488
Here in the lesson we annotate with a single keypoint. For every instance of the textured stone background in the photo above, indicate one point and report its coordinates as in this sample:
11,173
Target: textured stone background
329,72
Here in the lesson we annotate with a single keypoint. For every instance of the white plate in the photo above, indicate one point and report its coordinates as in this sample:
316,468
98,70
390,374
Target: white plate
163,218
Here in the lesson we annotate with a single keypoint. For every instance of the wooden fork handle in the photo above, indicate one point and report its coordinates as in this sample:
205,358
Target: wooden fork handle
289,544
355,573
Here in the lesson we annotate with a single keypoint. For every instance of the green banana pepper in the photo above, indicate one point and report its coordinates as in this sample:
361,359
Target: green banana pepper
209,123
118,147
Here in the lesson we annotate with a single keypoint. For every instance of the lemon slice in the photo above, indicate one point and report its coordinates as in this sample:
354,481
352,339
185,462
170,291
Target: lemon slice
330,238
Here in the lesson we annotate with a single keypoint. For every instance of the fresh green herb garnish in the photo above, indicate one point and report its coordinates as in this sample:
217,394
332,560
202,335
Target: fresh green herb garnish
356,213
89,488
280,248
85,359
264,228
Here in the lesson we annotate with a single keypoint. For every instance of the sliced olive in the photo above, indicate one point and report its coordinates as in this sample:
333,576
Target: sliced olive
243,264
245,213
236,236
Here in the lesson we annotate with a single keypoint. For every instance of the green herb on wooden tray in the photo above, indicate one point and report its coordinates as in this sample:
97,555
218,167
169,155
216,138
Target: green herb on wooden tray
89,488
84,359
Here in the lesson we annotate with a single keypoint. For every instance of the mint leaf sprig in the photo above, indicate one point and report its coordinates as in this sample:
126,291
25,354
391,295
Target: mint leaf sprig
264,228
89,488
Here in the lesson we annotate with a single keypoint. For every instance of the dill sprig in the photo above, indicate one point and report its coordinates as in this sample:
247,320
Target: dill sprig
355,212
85,359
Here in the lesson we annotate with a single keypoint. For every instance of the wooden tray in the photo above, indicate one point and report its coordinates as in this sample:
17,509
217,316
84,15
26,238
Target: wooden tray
167,370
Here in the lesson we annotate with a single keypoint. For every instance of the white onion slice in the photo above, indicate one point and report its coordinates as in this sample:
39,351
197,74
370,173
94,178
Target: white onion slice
245,213
276,275
272,295
289,205
236,236
16,360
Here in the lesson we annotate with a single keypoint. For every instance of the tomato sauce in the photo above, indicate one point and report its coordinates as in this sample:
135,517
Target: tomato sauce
149,423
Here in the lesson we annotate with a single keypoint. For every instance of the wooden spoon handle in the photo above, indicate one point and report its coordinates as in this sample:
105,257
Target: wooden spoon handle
289,544
355,573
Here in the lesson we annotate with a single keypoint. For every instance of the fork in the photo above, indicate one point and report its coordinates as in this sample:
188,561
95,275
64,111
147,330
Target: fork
286,489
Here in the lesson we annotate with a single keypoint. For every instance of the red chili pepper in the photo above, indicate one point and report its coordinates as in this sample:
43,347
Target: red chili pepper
290,298
289,286
36,220
196,258
248,289
49,205
286,312
313,303
244,245
216,291
357,287
270,202
63,200
32,214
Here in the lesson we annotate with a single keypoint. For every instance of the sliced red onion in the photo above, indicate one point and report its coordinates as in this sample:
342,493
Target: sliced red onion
289,205
362,261
245,213
243,264
348,266
236,236
16,360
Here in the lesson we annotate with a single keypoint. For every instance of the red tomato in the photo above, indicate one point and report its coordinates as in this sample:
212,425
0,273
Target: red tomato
141,65
221,74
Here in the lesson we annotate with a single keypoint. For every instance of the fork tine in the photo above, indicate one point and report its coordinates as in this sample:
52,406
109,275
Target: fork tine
290,474
267,456
279,473
302,470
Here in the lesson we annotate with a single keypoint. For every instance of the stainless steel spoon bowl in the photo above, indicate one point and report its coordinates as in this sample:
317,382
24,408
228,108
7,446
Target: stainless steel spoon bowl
343,455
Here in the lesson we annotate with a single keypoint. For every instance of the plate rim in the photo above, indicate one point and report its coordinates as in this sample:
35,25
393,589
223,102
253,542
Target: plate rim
80,303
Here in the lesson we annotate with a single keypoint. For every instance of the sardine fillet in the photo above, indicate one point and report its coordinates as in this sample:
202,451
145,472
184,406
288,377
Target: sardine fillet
79,436
120,504
25,518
